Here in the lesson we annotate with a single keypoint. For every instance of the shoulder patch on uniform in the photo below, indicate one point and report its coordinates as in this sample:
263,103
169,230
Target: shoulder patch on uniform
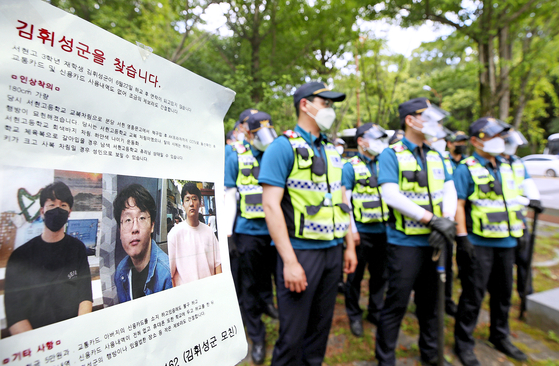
291,134
354,160
398,147
470,161
241,149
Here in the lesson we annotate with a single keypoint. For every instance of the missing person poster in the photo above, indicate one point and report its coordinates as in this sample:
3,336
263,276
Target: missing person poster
111,168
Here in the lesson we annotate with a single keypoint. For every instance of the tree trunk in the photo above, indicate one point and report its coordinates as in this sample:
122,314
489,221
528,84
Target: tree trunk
486,75
505,59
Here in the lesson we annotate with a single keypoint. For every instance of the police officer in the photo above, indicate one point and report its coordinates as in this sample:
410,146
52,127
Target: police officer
457,144
370,214
531,198
239,132
488,227
307,215
422,199
257,256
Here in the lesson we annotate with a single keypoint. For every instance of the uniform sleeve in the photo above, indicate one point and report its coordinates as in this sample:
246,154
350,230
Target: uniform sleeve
231,170
17,296
348,176
228,150
388,167
84,275
463,182
276,163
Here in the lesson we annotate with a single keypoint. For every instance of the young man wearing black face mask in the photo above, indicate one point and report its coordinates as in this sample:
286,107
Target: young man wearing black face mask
457,144
48,278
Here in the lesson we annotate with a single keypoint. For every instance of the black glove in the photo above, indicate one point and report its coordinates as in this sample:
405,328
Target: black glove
464,243
437,240
536,205
444,226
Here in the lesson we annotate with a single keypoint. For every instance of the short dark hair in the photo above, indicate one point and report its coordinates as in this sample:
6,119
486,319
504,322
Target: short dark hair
192,189
143,199
403,124
57,190
310,98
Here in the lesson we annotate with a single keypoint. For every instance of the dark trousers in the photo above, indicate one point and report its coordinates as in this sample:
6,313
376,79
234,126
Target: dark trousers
257,263
491,270
371,251
306,317
234,258
409,268
449,253
522,274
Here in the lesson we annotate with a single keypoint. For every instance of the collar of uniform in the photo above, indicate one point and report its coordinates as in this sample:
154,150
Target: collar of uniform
255,152
365,159
411,146
309,137
484,161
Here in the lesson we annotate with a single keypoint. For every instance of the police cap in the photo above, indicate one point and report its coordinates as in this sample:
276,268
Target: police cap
315,88
259,120
488,126
243,117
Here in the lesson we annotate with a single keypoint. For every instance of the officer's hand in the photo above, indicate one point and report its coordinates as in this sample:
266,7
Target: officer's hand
445,226
437,240
350,261
356,238
294,277
536,205
464,243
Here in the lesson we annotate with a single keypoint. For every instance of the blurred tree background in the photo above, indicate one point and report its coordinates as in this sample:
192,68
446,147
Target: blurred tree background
501,60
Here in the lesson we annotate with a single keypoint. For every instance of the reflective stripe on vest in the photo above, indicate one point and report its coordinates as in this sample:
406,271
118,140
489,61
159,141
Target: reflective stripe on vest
366,197
448,163
307,213
247,184
421,186
519,173
493,203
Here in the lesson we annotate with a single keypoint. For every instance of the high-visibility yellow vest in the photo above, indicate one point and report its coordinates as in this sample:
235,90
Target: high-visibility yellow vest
250,191
519,173
366,197
423,187
448,163
493,203
312,202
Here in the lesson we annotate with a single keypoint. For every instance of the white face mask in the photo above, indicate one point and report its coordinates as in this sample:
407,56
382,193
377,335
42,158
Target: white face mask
375,147
240,136
340,149
430,129
439,145
494,147
324,117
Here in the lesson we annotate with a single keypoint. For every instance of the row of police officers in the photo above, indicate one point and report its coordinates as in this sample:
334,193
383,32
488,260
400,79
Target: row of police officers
395,206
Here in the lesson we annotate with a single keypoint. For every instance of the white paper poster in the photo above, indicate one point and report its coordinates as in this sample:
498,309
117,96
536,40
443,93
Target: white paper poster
104,117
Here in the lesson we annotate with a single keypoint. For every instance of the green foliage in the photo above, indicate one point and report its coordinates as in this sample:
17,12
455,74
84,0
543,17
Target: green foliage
276,45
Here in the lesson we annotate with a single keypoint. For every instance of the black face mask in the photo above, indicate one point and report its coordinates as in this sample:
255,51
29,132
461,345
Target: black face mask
56,218
460,149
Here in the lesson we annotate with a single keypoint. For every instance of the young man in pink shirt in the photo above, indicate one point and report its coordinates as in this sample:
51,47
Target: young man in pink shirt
193,247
